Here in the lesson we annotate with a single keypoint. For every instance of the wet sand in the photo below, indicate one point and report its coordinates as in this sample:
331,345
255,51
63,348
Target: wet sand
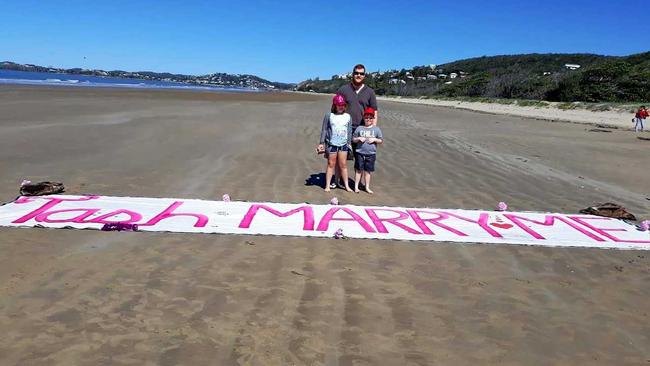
93,298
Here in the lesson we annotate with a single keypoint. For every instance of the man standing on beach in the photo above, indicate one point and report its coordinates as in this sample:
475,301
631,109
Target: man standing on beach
359,96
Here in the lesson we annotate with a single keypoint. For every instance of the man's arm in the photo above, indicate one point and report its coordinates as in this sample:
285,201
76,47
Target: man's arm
350,132
373,104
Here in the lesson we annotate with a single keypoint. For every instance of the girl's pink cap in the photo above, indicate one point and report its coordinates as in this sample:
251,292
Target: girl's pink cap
338,100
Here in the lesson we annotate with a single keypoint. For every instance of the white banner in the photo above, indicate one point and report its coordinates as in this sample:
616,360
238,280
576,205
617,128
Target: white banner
303,219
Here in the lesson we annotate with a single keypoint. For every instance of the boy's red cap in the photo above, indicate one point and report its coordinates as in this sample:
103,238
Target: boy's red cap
369,110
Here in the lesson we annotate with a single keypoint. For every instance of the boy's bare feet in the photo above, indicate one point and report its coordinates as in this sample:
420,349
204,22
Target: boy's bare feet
348,189
369,190
356,190
327,189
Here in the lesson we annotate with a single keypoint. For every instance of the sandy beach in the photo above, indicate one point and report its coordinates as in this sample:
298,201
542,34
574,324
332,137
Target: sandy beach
83,297
551,111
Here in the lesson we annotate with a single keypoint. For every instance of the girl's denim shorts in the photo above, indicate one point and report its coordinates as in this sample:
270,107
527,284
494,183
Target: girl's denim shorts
334,149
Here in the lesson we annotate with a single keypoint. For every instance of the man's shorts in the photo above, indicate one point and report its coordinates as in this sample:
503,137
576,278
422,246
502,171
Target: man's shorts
364,162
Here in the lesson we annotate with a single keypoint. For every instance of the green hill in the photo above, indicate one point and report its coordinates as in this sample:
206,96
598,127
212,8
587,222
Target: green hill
550,77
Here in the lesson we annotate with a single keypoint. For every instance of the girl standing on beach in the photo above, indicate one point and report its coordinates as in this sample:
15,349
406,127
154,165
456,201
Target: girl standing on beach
335,141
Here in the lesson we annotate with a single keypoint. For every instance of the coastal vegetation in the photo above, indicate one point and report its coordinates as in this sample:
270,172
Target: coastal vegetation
538,77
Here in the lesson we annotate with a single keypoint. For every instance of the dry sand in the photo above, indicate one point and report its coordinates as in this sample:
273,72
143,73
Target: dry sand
615,118
76,297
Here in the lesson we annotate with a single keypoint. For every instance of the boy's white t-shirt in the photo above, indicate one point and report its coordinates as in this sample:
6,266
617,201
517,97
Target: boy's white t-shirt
339,123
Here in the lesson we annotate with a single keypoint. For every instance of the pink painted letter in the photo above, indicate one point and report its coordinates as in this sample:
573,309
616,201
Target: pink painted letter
201,220
307,211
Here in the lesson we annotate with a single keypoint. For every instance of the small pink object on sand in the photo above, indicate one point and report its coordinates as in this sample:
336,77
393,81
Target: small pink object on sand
502,206
334,201
645,225
225,198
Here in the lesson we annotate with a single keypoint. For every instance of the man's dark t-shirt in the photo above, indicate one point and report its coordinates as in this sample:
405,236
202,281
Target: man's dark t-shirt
357,103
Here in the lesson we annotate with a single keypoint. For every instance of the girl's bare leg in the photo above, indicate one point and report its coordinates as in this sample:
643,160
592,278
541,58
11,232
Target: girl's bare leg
357,179
343,165
331,165
337,174
366,176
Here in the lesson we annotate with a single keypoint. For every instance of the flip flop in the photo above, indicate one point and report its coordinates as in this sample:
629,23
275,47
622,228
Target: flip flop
332,185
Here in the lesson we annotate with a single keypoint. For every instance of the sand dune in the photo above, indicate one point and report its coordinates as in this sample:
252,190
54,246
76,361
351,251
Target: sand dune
87,297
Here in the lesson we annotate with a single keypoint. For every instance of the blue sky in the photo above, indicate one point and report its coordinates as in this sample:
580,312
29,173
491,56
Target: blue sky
295,40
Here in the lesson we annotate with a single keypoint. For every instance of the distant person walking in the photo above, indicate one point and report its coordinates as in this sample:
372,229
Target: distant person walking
335,141
359,96
640,117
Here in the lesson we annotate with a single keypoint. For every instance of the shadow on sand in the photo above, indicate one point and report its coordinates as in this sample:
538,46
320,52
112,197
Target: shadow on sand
318,179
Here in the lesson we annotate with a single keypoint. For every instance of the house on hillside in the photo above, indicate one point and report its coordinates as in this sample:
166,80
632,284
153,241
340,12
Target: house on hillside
431,77
453,75
572,66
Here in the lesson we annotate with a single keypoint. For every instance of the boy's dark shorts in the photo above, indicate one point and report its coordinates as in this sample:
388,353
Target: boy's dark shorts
364,162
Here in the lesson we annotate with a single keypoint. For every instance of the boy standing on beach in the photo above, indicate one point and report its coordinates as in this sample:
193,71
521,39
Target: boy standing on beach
367,138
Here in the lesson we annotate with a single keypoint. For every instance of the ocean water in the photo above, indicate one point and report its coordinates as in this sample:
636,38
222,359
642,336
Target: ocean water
51,79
